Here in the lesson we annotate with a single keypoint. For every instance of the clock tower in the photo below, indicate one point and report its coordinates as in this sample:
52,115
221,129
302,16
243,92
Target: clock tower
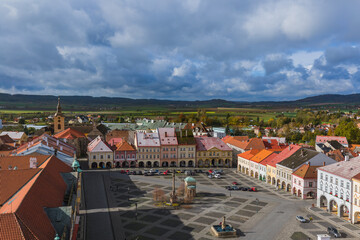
59,119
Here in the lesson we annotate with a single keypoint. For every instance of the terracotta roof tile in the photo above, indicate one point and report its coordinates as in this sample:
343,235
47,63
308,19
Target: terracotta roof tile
285,153
46,189
207,143
268,159
124,146
12,180
307,171
70,133
249,154
261,156
21,162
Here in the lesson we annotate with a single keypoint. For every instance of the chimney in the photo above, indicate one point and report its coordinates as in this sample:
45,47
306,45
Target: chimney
165,134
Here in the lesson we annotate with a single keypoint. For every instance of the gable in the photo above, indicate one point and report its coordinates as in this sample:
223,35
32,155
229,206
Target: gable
101,147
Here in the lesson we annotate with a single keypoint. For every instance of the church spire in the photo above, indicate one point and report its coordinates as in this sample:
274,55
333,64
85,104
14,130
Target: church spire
58,109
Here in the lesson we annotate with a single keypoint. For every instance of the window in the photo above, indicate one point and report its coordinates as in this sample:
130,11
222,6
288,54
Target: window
326,177
321,176
295,181
310,184
94,157
342,183
101,157
355,188
347,185
355,201
336,181
108,156
331,179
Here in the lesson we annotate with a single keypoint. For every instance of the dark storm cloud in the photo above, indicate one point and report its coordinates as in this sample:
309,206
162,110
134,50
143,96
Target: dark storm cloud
184,49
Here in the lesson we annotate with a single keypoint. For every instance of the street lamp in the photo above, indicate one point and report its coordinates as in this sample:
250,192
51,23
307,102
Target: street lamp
128,193
136,211
257,204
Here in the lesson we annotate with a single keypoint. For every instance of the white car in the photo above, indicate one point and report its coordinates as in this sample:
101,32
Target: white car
301,219
217,176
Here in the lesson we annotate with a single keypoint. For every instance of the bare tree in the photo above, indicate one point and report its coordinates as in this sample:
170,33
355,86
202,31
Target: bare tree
181,190
158,195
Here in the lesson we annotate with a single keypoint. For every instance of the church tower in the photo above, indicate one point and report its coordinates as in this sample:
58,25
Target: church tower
59,119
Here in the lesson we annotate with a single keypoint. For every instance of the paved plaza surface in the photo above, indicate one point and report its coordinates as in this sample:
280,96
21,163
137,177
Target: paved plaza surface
110,197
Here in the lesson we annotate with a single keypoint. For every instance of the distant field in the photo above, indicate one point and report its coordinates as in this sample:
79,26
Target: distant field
220,113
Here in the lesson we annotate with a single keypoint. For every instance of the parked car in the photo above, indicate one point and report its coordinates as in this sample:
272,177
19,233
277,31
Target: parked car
235,188
145,172
218,176
228,187
333,231
246,189
210,171
139,173
253,189
210,176
122,171
301,219
235,183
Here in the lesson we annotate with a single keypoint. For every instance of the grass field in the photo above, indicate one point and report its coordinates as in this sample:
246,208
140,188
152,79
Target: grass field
221,113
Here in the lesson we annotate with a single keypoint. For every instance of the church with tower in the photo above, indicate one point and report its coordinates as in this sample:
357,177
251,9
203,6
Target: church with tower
59,119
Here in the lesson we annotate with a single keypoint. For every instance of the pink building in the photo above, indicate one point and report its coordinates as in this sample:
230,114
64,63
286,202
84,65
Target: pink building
168,147
323,139
124,155
305,181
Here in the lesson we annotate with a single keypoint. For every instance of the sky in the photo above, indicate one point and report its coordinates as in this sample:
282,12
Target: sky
251,50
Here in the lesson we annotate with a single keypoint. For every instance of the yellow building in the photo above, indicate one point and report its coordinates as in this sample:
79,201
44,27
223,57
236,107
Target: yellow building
59,119
212,152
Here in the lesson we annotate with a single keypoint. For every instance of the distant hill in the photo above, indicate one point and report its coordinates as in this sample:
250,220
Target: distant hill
72,103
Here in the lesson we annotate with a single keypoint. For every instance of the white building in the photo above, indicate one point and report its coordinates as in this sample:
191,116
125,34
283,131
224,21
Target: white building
334,191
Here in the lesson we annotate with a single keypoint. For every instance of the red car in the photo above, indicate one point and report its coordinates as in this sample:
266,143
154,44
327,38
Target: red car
166,172
210,171
235,183
253,189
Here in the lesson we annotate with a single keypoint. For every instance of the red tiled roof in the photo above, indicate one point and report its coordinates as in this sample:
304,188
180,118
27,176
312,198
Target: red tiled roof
324,139
70,134
207,143
274,144
260,156
249,154
12,180
123,134
268,159
21,162
124,146
285,153
306,171
114,141
46,189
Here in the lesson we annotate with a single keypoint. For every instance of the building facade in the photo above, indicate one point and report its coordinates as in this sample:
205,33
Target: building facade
125,155
148,149
186,148
334,192
100,154
168,147
212,152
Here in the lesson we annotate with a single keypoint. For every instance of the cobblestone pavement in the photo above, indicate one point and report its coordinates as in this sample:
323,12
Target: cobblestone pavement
272,217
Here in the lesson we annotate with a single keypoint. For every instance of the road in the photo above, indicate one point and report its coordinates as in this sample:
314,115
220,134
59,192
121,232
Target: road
96,205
